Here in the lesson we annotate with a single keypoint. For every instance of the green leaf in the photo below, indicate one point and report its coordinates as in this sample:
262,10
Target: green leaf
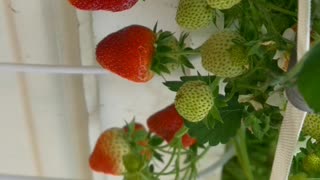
216,114
258,125
158,156
164,35
130,128
185,61
190,78
163,49
173,85
139,136
163,68
151,168
222,132
308,79
183,37
209,121
155,141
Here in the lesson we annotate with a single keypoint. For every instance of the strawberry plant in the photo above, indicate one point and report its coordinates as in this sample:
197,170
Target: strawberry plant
239,102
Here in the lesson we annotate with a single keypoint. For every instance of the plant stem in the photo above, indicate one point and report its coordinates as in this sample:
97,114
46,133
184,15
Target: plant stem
168,164
164,146
279,9
178,165
242,153
186,174
168,152
186,167
188,53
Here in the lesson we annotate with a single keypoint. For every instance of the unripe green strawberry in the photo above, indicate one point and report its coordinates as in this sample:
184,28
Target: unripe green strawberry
194,14
311,126
133,162
311,163
194,100
222,57
222,4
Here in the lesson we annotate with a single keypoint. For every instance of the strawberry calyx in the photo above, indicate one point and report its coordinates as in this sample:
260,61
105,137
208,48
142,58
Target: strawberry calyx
171,53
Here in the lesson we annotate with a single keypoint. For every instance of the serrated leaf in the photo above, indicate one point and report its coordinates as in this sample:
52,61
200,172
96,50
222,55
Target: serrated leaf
308,79
222,132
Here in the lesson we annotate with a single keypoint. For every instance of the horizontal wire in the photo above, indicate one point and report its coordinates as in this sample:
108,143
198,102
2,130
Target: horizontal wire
51,69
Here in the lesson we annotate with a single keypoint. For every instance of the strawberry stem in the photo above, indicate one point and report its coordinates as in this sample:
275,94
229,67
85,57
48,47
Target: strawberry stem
242,153
279,9
189,166
168,152
168,164
178,164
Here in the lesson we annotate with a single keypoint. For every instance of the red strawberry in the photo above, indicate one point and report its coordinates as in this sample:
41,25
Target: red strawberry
136,52
107,156
108,5
166,123
188,141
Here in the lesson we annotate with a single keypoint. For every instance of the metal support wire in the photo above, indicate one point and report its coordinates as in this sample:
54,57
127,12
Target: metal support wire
51,69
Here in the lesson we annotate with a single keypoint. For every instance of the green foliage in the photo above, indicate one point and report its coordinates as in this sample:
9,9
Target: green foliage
308,75
298,163
222,131
261,156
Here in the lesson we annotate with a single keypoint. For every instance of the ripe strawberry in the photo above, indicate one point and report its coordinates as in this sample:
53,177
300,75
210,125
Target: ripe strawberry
222,4
107,5
311,126
194,100
222,57
194,14
166,123
188,141
311,163
136,53
107,156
